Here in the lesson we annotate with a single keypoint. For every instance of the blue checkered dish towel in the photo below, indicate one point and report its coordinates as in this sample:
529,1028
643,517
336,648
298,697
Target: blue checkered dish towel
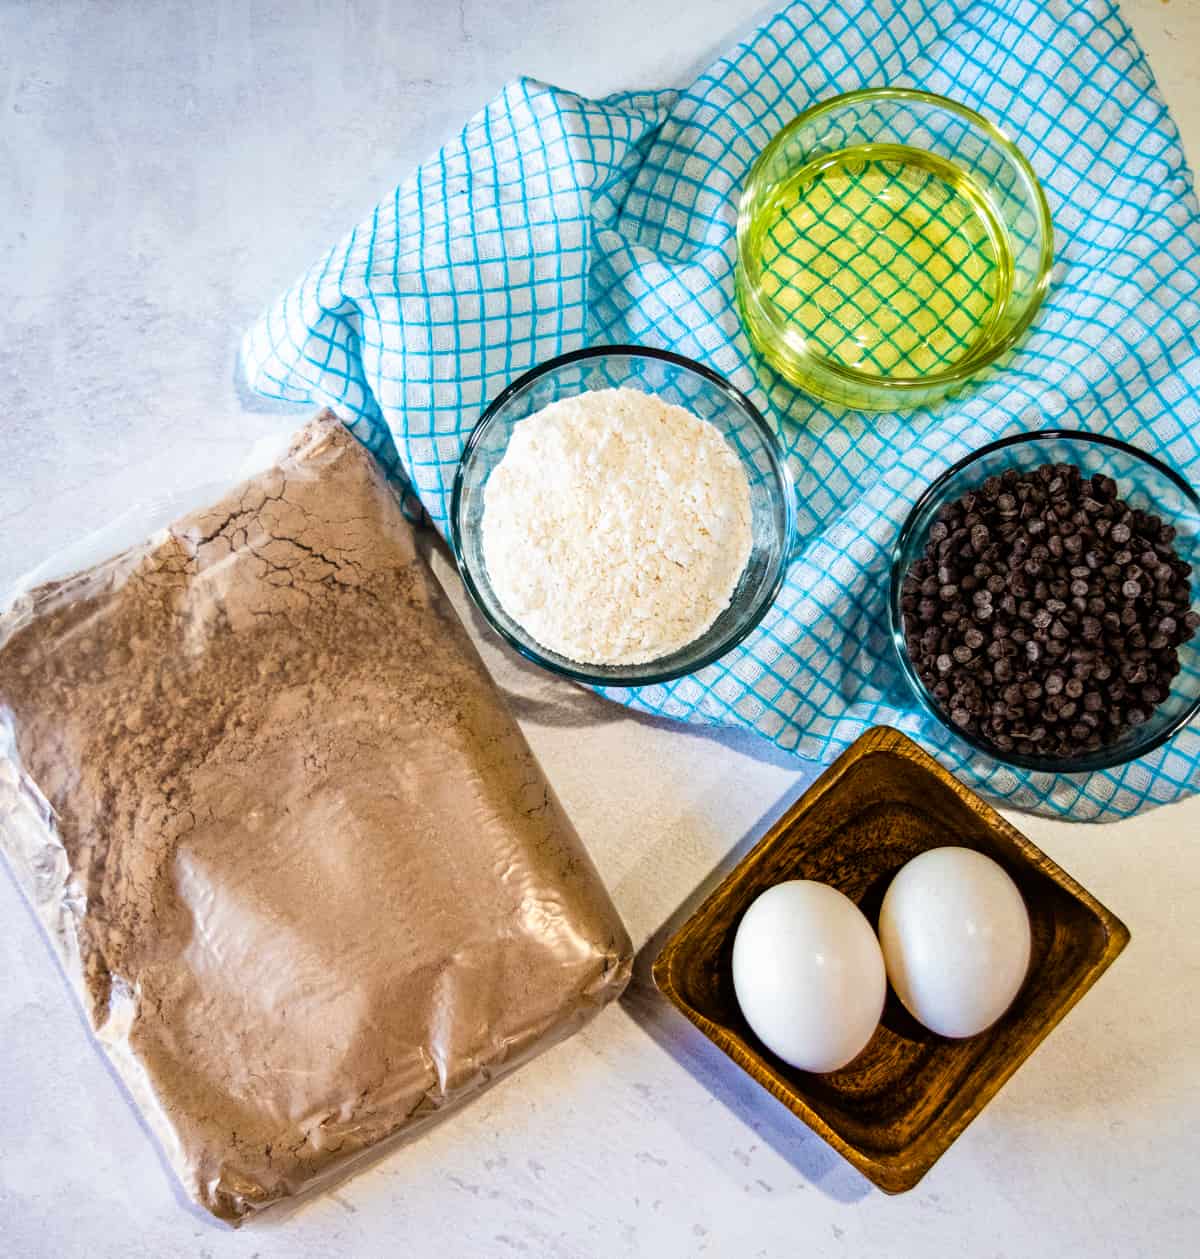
554,222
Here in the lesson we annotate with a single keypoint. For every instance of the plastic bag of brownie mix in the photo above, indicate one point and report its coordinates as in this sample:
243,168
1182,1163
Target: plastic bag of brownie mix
310,883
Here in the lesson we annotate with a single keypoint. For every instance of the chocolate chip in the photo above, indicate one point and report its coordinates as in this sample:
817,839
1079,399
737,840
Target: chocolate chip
1045,612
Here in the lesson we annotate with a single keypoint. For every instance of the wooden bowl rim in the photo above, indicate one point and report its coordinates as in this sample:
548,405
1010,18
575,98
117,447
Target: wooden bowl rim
901,1171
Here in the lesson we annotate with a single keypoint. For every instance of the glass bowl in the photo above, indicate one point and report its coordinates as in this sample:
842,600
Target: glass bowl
1145,483
890,245
679,381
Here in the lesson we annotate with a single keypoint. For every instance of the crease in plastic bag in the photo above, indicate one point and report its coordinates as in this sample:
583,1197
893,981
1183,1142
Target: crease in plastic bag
292,851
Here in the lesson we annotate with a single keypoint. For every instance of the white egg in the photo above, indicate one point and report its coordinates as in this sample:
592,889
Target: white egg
956,940
809,975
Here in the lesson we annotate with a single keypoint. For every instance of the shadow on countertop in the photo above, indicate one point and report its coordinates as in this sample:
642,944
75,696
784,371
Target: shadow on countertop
770,1120
533,695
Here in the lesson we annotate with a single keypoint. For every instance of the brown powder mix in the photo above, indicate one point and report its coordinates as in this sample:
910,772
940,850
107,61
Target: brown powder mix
310,880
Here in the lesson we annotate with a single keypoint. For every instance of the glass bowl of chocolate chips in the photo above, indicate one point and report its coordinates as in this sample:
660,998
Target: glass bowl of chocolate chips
1044,601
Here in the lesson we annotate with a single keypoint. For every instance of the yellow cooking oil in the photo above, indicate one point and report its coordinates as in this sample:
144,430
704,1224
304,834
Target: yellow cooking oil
884,259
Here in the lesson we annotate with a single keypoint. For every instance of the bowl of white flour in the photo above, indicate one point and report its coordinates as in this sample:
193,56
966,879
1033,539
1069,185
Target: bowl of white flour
622,516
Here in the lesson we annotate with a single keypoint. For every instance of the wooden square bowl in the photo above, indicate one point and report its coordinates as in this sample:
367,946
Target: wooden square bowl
897,1107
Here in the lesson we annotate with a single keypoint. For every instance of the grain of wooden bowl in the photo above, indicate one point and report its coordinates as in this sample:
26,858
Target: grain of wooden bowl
900,1104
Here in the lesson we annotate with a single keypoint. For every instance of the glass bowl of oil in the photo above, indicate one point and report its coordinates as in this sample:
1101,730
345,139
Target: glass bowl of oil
891,245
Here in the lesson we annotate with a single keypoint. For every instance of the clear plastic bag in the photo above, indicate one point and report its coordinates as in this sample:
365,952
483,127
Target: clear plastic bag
297,859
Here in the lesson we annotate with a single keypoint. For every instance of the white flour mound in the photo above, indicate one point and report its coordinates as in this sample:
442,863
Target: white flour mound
616,526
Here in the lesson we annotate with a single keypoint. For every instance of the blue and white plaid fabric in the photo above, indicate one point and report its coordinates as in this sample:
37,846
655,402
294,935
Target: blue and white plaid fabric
553,222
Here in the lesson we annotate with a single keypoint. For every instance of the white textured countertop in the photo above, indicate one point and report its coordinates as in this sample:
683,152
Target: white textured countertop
165,169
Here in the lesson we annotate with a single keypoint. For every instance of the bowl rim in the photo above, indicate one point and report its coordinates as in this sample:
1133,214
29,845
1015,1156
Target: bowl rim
1086,764
619,675
791,840
971,364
